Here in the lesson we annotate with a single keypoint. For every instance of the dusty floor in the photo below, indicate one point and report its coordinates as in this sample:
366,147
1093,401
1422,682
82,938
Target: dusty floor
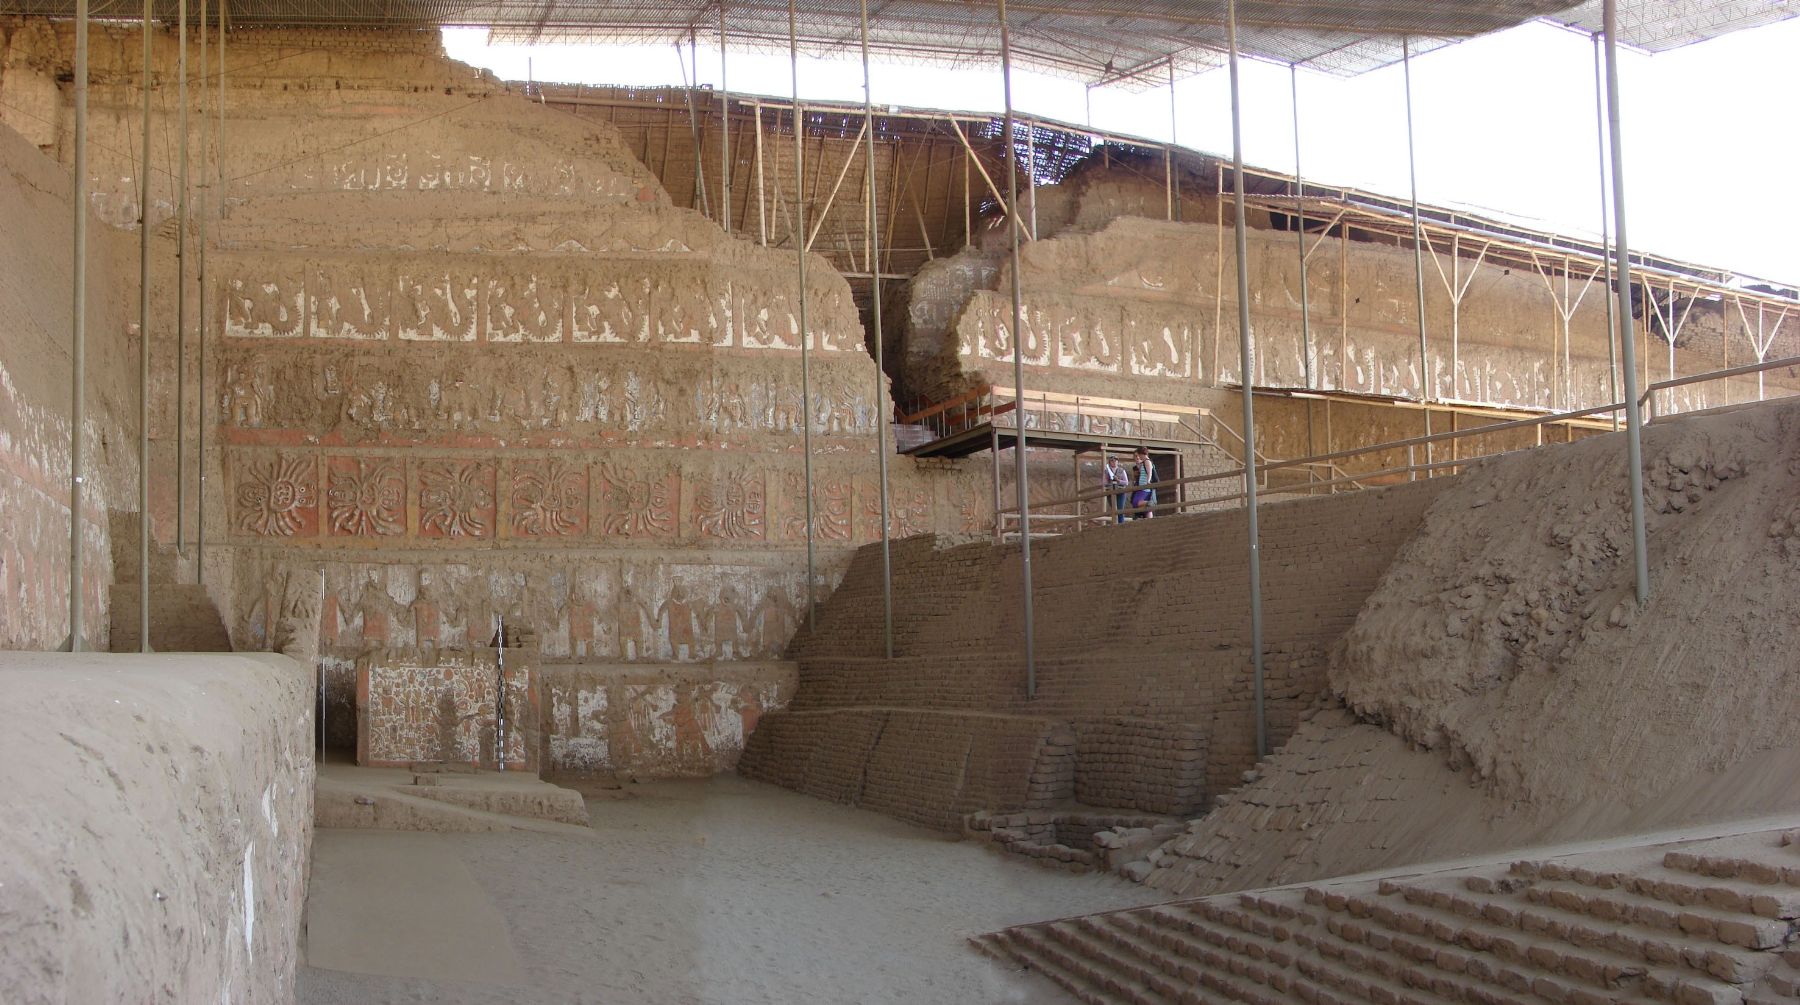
718,891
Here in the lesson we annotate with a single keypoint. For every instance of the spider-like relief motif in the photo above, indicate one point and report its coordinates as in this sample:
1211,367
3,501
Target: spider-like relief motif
367,499
456,500
273,495
548,498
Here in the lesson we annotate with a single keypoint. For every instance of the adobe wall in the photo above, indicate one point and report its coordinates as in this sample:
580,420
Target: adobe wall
464,359
36,263
158,826
1119,305
1146,623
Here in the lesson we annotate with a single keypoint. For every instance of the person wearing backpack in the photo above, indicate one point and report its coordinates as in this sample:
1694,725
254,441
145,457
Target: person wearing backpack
1143,476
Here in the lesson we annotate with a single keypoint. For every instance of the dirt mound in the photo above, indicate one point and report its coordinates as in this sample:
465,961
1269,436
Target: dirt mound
1506,635
1501,687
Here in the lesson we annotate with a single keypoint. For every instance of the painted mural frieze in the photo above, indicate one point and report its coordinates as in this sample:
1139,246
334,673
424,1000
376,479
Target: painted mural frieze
456,499
277,495
365,498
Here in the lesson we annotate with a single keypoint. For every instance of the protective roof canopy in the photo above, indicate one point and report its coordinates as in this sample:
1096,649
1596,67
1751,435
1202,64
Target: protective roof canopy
1123,42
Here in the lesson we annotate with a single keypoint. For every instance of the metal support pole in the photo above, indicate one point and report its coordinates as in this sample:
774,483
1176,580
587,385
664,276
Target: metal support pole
1412,173
1169,148
144,358
1306,360
1031,175
1245,349
1634,451
724,131
78,330
200,359
1612,323
181,217
200,312
800,242
881,404
762,214
1018,340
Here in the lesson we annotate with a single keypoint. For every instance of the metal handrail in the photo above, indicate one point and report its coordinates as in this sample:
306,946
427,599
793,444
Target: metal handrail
1647,402
1261,469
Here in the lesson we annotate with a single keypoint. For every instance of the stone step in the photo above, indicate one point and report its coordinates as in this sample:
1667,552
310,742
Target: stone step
182,619
1568,968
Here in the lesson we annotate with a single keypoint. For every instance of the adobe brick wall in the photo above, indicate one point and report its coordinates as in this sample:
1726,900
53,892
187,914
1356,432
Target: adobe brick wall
1142,624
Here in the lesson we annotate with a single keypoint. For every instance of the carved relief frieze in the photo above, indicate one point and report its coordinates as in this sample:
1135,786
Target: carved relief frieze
524,308
732,506
276,495
263,301
365,498
456,499
640,500
435,306
348,299
548,498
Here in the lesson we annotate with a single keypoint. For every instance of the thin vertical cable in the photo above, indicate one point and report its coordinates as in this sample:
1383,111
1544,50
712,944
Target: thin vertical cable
881,403
1020,473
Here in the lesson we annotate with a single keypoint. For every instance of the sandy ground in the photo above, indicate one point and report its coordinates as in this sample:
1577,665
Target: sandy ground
717,891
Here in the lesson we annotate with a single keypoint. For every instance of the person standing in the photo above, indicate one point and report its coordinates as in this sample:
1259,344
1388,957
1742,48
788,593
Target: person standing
1117,479
1143,478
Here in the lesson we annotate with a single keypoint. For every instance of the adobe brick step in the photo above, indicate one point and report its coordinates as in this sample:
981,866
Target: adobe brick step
1194,959
1118,970
1333,967
1763,872
1551,915
1729,928
1564,970
1004,947
1473,976
182,619
1211,972
1090,980
1368,968
1454,973
1678,887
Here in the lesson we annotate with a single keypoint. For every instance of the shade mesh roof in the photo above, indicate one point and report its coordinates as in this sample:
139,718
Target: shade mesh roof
1123,42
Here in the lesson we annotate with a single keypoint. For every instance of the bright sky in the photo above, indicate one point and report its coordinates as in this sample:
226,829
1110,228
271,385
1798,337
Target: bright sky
1505,124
